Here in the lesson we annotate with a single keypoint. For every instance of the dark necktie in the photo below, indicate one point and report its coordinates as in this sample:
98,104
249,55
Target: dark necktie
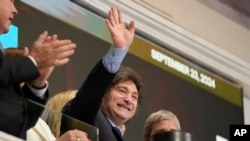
117,133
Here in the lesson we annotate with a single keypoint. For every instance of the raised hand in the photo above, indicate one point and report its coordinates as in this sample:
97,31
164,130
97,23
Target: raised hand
53,53
44,73
121,36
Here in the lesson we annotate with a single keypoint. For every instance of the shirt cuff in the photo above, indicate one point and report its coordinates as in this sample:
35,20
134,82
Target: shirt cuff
113,59
38,92
33,60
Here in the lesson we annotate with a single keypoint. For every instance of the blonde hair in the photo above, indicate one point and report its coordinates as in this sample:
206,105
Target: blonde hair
52,114
157,117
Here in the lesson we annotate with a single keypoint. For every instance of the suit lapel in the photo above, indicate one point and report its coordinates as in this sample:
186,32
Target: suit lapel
108,131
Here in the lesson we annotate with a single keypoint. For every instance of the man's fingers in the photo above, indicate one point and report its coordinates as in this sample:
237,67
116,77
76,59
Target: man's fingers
60,43
64,48
109,25
50,38
61,53
60,62
65,54
54,37
115,15
120,16
111,18
49,51
42,37
132,27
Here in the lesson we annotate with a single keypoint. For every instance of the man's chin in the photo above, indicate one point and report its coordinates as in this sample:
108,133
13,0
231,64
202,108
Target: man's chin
123,116
5,31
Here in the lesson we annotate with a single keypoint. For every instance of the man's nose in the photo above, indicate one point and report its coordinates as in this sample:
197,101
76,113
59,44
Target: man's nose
128,99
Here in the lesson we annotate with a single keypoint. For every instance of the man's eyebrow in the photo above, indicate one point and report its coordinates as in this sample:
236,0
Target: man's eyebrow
163,130
160,131
118,86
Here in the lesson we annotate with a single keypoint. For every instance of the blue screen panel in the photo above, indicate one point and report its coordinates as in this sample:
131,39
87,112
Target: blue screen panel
10,39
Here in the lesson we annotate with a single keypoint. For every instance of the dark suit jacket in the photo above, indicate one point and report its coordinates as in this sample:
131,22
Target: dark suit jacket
85,106
14,117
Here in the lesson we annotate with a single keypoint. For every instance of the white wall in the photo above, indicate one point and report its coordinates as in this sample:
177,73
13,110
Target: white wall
246,110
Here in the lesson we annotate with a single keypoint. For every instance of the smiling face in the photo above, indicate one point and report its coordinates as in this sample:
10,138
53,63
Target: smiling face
120,103
7,12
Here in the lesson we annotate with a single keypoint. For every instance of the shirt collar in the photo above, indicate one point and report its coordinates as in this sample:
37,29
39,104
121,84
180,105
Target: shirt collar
113,124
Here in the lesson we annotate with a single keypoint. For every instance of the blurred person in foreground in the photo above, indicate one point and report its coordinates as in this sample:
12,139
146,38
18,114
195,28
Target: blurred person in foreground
52,113
47,52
